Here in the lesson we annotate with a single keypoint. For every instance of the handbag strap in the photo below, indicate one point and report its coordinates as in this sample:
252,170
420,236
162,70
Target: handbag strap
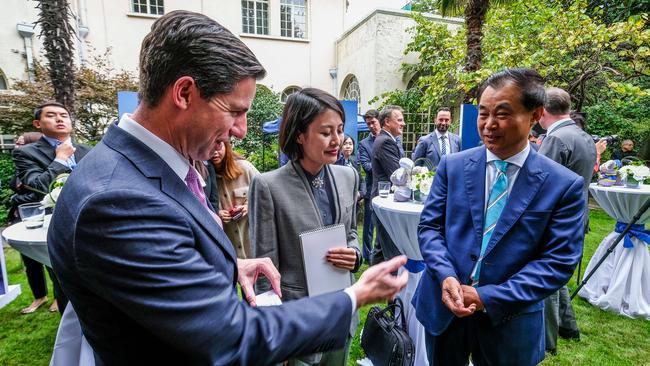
396,304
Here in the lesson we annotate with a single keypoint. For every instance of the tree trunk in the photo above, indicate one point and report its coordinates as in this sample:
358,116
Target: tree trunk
475,11
58,37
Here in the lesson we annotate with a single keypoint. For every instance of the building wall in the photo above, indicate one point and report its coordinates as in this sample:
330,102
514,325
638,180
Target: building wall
373,51
111,24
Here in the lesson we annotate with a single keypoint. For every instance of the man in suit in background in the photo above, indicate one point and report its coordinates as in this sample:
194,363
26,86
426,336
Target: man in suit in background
569,145
149,271
438,143
39,163
498,235
385,160
365,158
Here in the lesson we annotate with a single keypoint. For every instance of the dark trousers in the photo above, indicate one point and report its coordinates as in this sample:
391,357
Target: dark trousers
38,285
385,248
368,229
514,342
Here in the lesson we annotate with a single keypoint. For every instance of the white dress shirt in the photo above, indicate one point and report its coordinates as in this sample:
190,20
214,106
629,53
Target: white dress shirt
515,163
167,153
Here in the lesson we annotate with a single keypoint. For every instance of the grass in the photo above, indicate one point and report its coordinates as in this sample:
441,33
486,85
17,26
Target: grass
606,338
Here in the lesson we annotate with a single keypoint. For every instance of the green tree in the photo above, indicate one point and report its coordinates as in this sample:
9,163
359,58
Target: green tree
261,150
474,12
96,86
58,40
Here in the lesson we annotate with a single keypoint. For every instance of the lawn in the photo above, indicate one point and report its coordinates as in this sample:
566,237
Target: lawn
606,338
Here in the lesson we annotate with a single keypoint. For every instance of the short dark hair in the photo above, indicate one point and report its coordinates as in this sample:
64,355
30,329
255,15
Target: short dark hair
371,113
386,112
558,101
38,111
443,109
529,81
580,118
300,110
183,43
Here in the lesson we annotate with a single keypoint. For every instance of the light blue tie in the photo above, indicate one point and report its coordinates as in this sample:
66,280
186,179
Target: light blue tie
71,160
496,203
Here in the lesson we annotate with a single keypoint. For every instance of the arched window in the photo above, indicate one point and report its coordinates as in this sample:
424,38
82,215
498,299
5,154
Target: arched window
287,92
351,89
3,81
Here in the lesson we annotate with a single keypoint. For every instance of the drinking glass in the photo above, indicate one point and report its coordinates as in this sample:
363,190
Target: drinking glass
384,188
32,214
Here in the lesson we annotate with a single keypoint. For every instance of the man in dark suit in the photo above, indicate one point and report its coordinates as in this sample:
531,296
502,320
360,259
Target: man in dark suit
385,160
569,145
497,234
39,163
365,158
151,275
438,143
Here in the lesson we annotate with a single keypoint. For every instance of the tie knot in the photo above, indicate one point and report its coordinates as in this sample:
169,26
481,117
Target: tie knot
442,137
191,176
501,165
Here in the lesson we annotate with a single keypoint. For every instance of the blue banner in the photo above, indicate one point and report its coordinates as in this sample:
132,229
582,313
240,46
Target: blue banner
469,137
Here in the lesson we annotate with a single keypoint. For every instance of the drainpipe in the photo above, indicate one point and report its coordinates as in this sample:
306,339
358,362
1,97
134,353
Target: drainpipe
26,30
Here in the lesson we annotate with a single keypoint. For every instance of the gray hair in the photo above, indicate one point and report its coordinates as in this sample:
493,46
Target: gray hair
558,101
183,43
386,112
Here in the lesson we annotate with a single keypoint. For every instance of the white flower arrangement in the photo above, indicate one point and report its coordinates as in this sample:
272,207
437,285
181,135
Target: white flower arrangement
636,172
55,190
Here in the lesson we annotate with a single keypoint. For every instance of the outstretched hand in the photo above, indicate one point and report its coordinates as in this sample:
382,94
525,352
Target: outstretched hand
377,283
248,272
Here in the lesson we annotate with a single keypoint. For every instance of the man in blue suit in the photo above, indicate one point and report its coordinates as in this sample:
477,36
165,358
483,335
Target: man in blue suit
499,233
438,143
138,250
365,158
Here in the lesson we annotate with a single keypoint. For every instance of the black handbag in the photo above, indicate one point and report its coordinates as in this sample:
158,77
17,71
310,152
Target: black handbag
385,338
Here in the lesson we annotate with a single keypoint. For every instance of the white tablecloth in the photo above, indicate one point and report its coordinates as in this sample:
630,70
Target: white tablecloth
401,221
622,283
70,346
30,242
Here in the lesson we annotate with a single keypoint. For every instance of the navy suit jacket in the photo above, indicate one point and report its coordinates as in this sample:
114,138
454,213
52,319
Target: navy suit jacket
385,159
534,248
365,159
429,147
152,276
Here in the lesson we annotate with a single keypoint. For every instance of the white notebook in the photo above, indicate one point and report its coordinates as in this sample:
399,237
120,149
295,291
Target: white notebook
322,277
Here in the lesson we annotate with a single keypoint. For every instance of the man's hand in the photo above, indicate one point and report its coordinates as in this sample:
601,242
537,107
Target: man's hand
250,269
453,298
342,257
64,151
377,283
470,296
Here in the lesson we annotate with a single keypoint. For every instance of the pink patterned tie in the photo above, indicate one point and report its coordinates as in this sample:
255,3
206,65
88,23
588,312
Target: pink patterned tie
192,181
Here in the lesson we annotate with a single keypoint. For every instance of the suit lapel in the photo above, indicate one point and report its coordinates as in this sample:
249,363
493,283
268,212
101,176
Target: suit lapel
529,180
436,144
474,171
300,174
335,194
153,167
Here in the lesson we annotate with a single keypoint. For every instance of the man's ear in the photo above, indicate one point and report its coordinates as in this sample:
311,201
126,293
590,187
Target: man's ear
184,92
36,123
537,115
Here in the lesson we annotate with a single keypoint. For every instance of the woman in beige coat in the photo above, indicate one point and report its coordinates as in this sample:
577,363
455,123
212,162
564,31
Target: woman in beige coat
234,175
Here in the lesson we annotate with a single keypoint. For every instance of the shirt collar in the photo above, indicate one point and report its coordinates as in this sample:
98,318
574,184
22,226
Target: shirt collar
518,159
555,125
54,142
167,153
438,134
389,134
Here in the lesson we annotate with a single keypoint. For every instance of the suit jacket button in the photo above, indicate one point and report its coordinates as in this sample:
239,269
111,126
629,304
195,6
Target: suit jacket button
473,257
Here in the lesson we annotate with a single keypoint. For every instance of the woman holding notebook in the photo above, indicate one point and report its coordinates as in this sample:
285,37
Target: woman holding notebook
306,194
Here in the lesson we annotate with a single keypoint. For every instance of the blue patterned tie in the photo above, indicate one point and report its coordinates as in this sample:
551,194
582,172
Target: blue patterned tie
496,203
